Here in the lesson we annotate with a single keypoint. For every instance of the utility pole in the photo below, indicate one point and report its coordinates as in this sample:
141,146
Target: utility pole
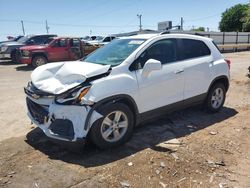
47,27
140,26
23,27
182,23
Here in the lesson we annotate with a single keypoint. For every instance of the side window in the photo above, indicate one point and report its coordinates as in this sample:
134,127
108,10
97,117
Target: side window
163,51
35,40
75,43
107,39
60,43
48,40
190,48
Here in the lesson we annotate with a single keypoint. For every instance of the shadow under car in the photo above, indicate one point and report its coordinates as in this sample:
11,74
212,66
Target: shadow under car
149,135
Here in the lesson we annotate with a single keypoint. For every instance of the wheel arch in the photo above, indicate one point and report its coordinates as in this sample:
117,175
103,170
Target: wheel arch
222,79
39,53
122,98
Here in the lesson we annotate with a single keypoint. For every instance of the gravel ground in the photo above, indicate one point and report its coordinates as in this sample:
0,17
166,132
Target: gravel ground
189,148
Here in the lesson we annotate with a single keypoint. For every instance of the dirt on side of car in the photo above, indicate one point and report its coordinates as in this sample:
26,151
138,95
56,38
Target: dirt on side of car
189,148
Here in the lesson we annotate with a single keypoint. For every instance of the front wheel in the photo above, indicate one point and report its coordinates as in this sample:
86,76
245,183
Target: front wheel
114,128
216,97
13,56
38,61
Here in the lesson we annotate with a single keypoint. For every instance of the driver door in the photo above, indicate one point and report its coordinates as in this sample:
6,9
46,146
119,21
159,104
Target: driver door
162,87
59,51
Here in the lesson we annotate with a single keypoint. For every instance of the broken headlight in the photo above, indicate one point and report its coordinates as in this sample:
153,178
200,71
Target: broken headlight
73,96
25,53
4,48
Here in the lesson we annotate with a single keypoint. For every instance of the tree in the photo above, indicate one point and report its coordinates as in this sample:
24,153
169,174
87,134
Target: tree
232,18
199,29
246,21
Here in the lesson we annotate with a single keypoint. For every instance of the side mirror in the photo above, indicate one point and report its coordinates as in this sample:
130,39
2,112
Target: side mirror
151,65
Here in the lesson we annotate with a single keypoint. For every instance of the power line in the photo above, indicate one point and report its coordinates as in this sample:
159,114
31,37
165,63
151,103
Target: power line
66,24
203,18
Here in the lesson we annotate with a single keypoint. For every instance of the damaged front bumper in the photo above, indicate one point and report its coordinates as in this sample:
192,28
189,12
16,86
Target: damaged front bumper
62,122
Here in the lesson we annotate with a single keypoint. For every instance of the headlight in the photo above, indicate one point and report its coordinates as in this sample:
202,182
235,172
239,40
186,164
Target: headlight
73,96
4,48
26,53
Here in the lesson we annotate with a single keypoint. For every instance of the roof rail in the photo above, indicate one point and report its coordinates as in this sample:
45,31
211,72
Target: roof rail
199,34
165,32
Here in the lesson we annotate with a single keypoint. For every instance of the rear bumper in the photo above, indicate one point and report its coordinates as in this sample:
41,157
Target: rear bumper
25,60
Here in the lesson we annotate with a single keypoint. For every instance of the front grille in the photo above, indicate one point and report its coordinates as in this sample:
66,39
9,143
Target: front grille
30,90
38,112
63,127
21,53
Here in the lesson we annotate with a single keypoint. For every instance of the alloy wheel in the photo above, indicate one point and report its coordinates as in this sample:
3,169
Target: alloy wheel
114,126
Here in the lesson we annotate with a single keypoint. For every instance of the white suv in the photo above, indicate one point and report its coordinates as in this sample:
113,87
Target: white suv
124,83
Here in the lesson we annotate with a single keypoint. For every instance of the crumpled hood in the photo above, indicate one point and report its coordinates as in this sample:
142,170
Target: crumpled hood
56,78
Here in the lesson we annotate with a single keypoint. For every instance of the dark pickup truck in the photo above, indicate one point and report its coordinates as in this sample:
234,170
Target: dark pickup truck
8,50
58,49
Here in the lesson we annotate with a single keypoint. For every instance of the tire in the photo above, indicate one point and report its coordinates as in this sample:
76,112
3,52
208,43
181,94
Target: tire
39,60
104,132
216,98
13,56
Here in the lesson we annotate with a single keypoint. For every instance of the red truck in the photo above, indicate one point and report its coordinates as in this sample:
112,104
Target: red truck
58,49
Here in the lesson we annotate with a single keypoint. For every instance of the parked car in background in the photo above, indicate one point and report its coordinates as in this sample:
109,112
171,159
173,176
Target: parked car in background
92,45
89,48
102,41
124,83
8,50
58,49
12,40
91,38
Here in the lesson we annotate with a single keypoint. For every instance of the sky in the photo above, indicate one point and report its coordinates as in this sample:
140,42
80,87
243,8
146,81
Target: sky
104,17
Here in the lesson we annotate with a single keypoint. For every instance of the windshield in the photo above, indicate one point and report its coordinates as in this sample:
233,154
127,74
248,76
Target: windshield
18,38
23,39
115,52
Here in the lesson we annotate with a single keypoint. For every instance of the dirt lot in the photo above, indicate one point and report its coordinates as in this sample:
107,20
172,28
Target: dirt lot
189,148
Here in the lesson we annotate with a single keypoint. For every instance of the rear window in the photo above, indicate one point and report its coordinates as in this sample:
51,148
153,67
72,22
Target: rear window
190,48
216,46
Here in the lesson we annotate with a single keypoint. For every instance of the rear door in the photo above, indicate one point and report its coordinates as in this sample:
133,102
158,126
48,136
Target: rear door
197,59
75,51
165,86
59,50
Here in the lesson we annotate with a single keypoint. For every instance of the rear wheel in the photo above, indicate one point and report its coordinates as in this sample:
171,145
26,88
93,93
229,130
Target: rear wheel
38,61
216,97
114,128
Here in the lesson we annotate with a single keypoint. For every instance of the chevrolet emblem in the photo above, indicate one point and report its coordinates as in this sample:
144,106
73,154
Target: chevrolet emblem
35,96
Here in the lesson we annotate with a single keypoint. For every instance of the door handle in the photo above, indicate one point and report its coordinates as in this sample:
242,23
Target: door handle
179,71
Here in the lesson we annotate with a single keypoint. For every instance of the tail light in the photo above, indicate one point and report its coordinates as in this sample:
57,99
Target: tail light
228,63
